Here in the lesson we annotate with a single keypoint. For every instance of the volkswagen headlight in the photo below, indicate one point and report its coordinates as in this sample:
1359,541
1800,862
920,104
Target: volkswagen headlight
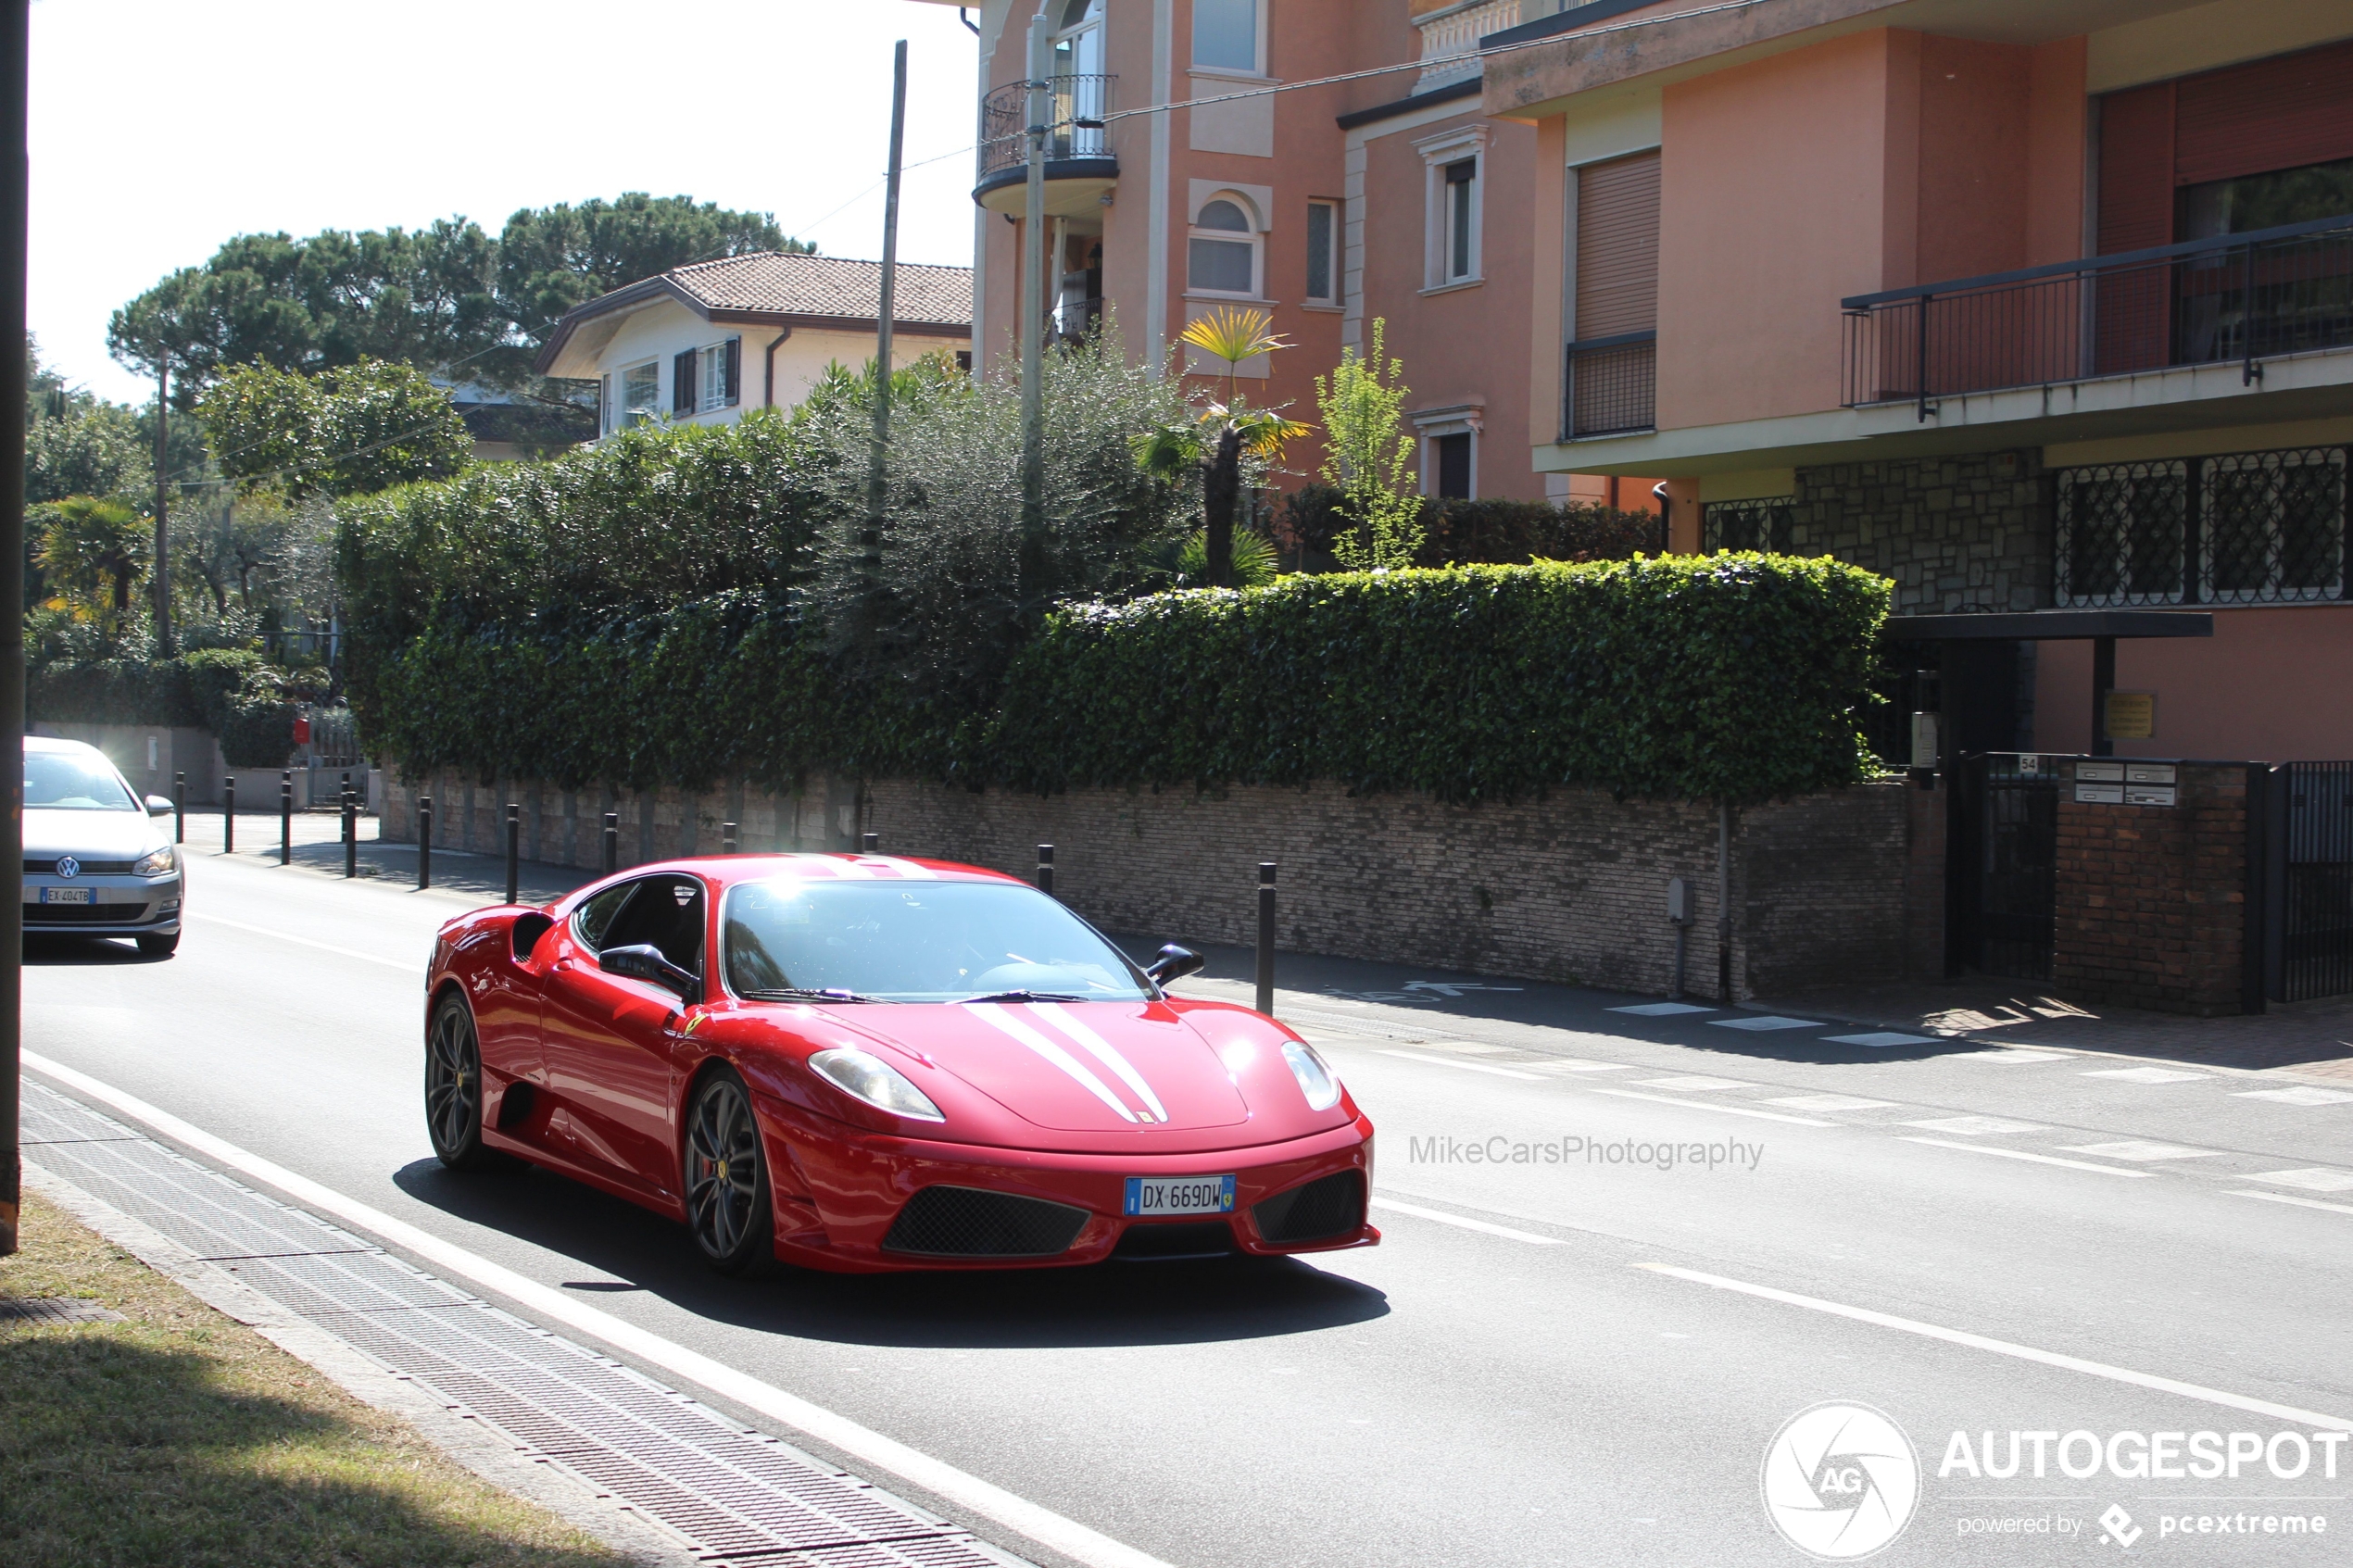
864,1077
154,863
1317,1082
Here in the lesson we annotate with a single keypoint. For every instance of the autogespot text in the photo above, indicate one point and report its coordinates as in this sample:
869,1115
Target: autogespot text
1503,1150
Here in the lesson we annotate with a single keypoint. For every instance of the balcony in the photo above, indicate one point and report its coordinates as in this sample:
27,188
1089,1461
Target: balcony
1450,39
1080,165
2239,299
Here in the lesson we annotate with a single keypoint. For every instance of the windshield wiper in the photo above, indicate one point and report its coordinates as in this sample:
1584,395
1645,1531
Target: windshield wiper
809,994
1024,996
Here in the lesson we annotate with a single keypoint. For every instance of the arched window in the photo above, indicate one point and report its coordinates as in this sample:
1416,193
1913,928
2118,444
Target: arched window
1079,41
1223,252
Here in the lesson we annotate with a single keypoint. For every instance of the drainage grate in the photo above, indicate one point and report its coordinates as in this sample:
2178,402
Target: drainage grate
53,1310
739,1495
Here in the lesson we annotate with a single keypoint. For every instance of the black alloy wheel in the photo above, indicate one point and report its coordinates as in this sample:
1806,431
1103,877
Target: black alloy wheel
728,1202
453,1087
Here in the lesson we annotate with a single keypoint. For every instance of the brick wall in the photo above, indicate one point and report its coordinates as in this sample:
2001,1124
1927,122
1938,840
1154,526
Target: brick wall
1571,888
2152,899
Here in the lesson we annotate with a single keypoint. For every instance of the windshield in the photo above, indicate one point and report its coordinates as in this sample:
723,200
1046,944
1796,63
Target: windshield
916,942
67,781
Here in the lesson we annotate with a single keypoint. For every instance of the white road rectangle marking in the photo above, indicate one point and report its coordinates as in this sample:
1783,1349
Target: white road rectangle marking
1467,1066
1880,1040
2141,1149
2007,1053
1480,1225
2008,1348
2299,1202
2303,1094
1662,1009
990,1501
1580,1066
1757,1022
2312,1178
1974,1126
2022,1154
1718,1107
1692,1081
2147,1074
1830,1102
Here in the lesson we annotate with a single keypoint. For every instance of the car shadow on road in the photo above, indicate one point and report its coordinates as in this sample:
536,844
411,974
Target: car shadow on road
1106,1305
68,952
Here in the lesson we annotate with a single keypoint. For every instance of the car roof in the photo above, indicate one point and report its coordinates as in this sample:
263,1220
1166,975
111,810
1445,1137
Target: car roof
58,743
725,870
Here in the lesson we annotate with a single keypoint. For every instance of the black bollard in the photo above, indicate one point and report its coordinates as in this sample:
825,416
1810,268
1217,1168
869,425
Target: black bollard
285,818
514,850
179,807
229,815
424,841
350,831
726,838
1046,870
1266,937
870,844
612,841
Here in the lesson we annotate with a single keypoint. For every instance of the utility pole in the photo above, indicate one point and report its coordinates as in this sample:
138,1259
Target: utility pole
875,478
1033,287
14,50
163,504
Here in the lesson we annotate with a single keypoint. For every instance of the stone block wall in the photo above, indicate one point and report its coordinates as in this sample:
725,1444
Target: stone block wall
2151,901
1571,888
1960,534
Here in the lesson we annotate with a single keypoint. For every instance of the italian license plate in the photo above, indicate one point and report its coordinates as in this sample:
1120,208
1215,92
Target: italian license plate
1149,1196
67,896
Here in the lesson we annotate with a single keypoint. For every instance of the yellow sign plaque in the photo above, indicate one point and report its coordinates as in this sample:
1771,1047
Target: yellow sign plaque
2131,716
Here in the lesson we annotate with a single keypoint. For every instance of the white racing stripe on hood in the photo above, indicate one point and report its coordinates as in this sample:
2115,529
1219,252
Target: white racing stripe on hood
906,869
999,1019
1101,1050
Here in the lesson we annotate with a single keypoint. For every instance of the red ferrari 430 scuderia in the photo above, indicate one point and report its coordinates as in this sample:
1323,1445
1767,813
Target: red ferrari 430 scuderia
862,1062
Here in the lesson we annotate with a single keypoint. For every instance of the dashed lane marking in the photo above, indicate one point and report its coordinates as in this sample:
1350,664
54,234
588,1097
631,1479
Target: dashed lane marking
2312,1178
1692,1081
1662,1009
2141,1149
415,967
1467,1066
2302,1094
1830,1102
2022,1154
2299,1202
1757,1023
1719,1108
2147,1076
1974,1126
1881,1040
1480,1225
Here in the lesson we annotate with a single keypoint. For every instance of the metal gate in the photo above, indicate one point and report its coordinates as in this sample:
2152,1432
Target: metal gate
2315,899
2002,863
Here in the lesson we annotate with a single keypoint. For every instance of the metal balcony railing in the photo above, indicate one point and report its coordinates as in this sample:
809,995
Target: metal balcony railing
1075,128
2244,297
1613,384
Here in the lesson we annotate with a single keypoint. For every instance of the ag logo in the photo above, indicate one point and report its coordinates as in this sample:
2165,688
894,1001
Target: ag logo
1841,1481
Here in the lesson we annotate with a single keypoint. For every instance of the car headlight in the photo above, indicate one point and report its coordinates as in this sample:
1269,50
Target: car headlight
154,863
868,1078
1317,1082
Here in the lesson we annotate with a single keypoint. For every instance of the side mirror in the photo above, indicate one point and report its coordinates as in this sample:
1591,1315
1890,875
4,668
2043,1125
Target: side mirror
1173,963
644,961
158,805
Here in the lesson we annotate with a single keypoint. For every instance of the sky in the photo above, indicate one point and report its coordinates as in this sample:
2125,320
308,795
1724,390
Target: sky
160,128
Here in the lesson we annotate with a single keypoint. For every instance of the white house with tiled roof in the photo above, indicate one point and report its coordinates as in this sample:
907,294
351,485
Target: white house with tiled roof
700,344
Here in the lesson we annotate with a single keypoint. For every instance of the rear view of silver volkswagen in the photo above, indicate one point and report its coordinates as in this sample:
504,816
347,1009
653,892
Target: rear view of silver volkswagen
98,860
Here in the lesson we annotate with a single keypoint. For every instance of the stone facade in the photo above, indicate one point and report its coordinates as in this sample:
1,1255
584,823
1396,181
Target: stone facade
1957,534
1570,888
2151,901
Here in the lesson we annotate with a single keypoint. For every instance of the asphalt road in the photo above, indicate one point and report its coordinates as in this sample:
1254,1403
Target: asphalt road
1513,1376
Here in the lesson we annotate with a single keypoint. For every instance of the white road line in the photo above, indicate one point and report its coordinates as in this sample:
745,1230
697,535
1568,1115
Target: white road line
2022,1154
415,967
1040,1524
2005,1348
2299,1202
1480,1226
1467,1066
1718,1107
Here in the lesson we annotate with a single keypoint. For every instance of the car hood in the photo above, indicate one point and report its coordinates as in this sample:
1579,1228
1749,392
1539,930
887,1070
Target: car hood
91,835
1089,1067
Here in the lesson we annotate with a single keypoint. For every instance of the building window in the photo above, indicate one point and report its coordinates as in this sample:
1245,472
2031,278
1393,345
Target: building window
1223,256
721,366
1451,465
640,394
1767,525
1323,237
1225,34
1462,220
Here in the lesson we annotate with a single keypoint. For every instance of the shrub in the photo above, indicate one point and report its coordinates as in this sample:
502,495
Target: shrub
1488,532
233,692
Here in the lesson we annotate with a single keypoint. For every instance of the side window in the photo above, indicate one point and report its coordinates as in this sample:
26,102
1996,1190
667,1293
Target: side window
590,921
666,912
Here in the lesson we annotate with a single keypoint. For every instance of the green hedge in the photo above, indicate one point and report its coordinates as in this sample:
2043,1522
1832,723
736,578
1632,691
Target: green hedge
1489,531
233,692
1721,677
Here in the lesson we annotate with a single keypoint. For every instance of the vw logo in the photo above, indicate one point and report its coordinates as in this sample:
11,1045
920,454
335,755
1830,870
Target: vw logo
68,866
1841,1481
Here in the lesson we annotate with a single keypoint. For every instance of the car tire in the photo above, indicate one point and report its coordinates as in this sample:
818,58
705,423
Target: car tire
158,946
453,1087
728,1205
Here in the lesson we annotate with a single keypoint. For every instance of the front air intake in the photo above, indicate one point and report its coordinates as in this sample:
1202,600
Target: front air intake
1326,1207
944,1222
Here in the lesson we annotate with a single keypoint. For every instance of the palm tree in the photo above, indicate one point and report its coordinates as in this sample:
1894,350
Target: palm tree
1216,440
93,550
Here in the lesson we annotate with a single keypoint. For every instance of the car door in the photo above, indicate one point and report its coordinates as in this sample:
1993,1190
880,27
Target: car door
608,1039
